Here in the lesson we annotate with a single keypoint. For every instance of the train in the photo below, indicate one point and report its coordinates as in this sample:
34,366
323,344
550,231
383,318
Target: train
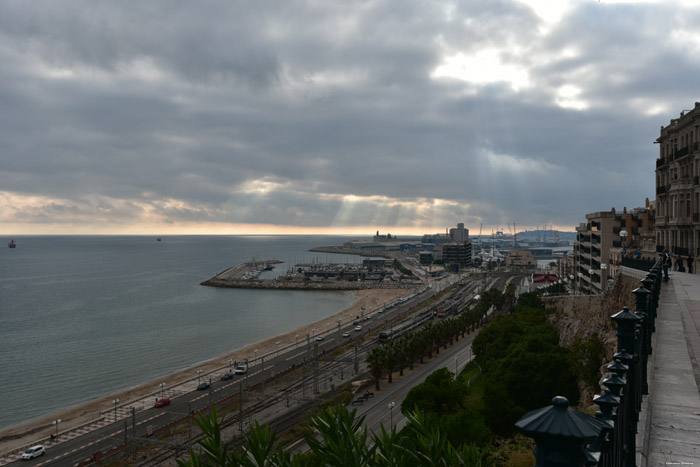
406,326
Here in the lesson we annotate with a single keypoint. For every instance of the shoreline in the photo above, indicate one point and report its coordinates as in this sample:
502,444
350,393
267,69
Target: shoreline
27,432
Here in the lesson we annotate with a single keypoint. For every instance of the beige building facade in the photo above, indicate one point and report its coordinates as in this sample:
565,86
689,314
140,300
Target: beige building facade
604,239
677,224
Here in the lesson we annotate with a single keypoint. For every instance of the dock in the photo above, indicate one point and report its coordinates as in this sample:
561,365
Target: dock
247,271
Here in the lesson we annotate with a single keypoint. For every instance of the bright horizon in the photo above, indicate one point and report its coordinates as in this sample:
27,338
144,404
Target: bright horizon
363,231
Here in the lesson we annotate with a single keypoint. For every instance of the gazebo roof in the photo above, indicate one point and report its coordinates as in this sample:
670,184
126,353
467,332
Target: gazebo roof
559,419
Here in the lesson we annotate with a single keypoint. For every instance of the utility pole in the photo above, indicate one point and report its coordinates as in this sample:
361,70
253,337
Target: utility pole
240,407
133,428
189,427
315,369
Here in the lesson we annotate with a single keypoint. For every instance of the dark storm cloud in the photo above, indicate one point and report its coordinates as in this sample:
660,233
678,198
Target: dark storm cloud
331,113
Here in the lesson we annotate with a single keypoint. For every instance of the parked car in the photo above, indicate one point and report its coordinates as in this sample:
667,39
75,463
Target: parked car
226,376
241,368
319,338
162,402
358,327
346,334
203,386
34,451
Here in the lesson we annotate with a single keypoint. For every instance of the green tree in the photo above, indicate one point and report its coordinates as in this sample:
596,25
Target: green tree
375,359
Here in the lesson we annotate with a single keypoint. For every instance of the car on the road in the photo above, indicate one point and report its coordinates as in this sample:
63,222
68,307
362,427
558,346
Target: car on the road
34,451
162,402
226,376
346,334
241,368
358,327
203,386
319,338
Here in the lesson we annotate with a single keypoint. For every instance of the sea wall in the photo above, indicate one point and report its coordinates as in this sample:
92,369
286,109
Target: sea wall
305,285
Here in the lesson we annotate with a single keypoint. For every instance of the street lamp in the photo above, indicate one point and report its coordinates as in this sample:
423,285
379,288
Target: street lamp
56,422
296,340
162,390
580,276
590,278
229,365
199,374
115,402
392,404
278,348
603,268
255,354
623,236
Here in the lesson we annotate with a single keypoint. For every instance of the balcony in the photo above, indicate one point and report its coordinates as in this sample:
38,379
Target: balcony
696,180
617,244
660,248
677,250
660,190
696,217
660,163
682,152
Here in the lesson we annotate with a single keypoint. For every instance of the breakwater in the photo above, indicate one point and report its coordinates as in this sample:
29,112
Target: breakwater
305,285
350,251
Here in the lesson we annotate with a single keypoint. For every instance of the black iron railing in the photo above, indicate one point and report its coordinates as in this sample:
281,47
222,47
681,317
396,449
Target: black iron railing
609,438
641,264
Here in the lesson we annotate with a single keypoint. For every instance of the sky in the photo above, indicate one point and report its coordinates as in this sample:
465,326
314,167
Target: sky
329,117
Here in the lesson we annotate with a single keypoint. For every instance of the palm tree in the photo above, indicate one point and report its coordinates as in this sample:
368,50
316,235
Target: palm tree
343,440
375,359
390,358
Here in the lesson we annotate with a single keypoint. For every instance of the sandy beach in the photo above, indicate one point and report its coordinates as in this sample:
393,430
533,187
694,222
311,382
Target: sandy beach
26,433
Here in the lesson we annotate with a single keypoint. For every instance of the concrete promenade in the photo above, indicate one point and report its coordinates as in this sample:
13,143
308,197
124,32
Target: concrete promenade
669,427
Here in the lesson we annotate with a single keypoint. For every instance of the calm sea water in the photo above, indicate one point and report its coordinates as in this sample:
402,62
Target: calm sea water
85,316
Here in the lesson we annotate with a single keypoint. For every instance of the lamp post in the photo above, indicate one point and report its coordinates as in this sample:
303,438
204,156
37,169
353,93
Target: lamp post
199,375
162,390
392,404
296,340
115,402
603,268
255,354
590,278
229,365
580,276
278,348
56,422
623,236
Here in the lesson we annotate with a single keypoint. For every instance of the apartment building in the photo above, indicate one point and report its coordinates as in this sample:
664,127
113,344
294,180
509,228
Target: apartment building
604,239
677,225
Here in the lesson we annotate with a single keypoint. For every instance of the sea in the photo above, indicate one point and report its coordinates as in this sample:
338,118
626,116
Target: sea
82,317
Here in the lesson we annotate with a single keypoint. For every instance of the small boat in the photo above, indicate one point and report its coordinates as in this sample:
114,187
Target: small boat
12,244
159,239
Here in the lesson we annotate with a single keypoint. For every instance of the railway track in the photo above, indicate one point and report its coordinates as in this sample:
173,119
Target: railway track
284,403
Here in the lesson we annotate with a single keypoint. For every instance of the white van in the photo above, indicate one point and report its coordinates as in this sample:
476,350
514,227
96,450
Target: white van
34,451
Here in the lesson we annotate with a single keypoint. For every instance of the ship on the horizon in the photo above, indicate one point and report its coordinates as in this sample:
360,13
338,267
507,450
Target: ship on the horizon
12,244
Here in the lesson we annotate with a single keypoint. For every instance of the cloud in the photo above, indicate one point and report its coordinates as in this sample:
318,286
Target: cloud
316,114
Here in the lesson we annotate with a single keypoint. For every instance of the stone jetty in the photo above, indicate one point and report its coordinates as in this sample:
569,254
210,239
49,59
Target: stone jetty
245,276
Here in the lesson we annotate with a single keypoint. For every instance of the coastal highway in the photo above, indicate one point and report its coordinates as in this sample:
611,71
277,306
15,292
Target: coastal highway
140,424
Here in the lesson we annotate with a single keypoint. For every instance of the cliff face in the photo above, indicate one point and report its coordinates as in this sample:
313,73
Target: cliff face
580,316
